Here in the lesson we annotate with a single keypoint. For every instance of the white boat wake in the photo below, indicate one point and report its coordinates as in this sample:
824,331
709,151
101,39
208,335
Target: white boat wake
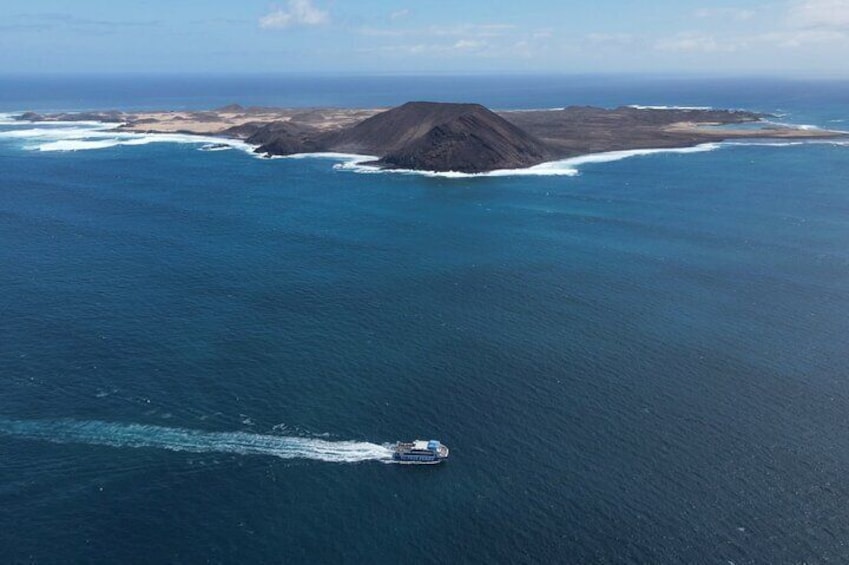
94,432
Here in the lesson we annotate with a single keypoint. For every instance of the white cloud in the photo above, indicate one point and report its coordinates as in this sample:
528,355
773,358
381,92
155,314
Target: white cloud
477,30
464,44
382,32
298,13
610,38
397,15
741,15
693,42
828,14
462,31
805,37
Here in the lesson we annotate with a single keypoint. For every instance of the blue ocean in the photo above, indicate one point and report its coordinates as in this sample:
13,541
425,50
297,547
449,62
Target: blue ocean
206,356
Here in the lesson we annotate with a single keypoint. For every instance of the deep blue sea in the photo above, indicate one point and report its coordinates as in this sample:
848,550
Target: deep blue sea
204,355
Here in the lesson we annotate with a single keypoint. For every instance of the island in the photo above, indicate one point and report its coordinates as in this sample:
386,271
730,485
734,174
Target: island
460,137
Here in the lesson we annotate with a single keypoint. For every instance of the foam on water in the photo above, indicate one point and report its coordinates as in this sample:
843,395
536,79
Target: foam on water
564,167
55,132
610,156
778,143
350,157
77,136
75,145
356,163
118,435
806,127
215,147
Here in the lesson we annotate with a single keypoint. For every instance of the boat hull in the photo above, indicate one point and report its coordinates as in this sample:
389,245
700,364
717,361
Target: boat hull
420,453
434,462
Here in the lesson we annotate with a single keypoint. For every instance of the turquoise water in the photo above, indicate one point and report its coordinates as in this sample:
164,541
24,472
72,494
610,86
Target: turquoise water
205,354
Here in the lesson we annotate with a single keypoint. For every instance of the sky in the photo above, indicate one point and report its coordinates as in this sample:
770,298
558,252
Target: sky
785,37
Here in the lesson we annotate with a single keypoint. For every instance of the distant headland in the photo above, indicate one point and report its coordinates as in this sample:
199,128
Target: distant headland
466,138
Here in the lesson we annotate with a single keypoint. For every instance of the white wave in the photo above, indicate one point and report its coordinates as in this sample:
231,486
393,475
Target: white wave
763,143
640,107
803,127
565,167
13,119
54,133
332,155
776,143
215,147
80,137
356,164
74,145
610,156
194,441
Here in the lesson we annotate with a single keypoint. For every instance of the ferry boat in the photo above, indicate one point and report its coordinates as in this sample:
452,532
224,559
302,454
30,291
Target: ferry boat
420,452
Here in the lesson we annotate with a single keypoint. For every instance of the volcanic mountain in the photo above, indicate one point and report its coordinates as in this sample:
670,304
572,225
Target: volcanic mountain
467,138
430,136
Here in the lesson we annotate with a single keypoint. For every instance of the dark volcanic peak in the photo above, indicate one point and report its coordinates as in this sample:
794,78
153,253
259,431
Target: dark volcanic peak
473,141
390,131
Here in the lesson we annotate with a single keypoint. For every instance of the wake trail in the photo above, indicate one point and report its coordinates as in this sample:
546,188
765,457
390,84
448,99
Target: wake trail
94,432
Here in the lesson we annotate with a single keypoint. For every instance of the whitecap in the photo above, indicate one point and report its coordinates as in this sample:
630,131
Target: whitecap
610,156
564,167
98,135
764,143
73,145
332,155
215,147
53,133
777,143
357,164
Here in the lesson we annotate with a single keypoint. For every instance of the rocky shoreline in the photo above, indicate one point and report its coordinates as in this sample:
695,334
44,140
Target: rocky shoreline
467,138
